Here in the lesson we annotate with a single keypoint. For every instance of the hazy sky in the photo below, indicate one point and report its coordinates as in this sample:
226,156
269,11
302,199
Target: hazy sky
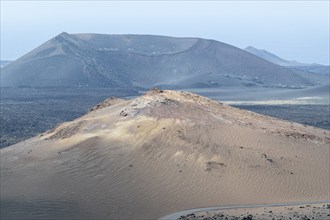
296,30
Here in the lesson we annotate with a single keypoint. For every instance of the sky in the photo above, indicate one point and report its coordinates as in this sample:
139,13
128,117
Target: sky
294,30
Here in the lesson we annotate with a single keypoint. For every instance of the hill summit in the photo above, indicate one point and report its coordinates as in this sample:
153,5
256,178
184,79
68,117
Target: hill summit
159,153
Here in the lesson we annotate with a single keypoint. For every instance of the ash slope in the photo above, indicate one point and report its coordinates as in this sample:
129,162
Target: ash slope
144,61
273,58
160,153
3,63
312,68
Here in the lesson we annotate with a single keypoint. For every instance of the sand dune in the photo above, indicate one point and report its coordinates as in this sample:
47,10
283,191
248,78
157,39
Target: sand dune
160,153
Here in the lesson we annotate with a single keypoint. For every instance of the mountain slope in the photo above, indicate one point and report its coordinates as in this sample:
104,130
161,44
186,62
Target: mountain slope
159,153
319,69
62,61
4,63
313,68
143,61
264,54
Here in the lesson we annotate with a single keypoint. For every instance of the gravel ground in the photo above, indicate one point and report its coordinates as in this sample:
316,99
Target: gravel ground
302,212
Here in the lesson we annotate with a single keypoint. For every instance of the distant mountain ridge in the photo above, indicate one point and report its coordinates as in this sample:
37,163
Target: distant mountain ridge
264,54
274,58
4,63
144,61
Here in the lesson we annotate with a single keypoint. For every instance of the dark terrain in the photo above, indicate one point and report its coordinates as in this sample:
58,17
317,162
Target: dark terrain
313,115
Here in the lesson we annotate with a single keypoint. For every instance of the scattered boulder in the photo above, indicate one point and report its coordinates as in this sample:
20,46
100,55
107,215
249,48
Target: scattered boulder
108,102
249,217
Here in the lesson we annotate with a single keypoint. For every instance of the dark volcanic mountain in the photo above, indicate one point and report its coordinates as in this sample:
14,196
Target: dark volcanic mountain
143,61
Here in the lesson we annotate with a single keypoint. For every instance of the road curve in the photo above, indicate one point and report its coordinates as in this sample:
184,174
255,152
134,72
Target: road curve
177,215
